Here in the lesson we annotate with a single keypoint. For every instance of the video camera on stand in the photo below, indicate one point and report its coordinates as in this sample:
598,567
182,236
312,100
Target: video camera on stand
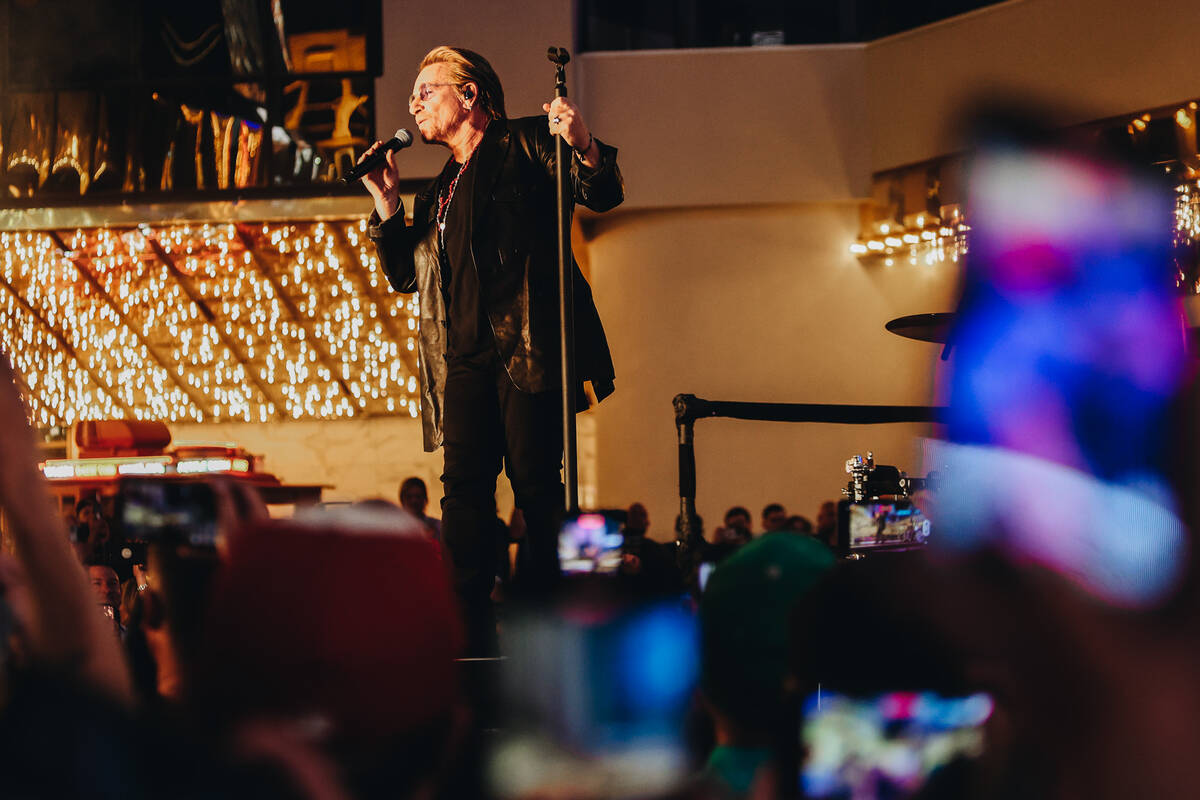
879,514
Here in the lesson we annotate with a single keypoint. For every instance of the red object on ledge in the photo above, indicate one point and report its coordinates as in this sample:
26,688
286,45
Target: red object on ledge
100,438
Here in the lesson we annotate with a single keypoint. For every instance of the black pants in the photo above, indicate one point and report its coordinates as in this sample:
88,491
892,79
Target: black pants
487,422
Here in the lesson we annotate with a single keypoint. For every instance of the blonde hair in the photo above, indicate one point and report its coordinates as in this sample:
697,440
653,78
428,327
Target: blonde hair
467,66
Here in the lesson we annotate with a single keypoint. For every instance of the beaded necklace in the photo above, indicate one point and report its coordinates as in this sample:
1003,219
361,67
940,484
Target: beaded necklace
444,200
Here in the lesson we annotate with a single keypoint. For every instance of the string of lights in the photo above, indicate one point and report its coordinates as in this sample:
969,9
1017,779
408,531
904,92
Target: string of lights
926,239
1166,137
206,322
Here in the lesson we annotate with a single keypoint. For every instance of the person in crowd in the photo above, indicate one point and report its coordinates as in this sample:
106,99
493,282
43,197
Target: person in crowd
739,517
414,498
799,524
142,667
107,588
129,598
827,523
637,521
70,521
648,566
481,254
744,631
92,533
105,584
774,517
735,530
735,535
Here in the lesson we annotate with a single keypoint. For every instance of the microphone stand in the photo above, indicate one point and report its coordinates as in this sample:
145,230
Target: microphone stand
566,290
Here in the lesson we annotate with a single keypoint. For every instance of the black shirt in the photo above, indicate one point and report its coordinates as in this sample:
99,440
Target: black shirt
468,330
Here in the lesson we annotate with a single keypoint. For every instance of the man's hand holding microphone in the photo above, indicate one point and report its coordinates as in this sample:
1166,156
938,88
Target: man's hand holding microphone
379,173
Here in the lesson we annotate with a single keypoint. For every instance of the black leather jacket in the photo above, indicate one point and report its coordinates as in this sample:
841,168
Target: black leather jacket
514,244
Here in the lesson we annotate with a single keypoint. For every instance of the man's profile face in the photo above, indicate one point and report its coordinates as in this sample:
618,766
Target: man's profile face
105,585
436,105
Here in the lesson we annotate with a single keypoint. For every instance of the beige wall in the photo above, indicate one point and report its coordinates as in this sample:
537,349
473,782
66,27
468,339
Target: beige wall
1094,58
759,304
733,126
358,458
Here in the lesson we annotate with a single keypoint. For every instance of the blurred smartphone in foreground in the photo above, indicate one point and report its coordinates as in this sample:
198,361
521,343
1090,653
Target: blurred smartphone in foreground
596,691
886,746
158,510
590,544
1068,351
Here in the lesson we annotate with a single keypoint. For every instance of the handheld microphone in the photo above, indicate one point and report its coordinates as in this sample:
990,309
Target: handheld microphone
401,140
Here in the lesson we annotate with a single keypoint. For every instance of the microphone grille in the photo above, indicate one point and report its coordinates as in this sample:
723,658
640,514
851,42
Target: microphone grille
404,137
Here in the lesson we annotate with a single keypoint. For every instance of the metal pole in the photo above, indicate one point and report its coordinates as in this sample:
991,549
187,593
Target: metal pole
566,291
685,429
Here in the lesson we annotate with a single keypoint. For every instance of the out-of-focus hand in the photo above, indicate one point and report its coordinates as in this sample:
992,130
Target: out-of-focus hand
290,750
14,593
66,631
18,453
238,504
565,119
383,182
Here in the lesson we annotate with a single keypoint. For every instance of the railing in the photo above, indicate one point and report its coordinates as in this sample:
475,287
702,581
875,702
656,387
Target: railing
689,408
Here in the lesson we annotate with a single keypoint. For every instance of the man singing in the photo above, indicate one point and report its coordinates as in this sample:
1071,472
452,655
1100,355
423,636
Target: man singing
482,253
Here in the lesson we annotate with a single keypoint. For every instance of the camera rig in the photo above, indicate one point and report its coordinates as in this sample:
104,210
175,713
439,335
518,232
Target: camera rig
869,480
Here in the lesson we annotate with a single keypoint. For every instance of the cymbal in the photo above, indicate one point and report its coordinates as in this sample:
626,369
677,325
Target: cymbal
923,327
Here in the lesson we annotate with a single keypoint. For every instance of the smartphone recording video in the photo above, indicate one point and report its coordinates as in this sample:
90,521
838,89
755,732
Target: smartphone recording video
881,524
596,691
1069,349
590,544
174,511
888,746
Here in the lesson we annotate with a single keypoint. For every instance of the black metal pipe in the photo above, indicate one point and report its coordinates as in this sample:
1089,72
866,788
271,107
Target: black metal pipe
566,292
688,406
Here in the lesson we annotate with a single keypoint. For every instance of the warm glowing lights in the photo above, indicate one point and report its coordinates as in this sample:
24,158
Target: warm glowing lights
184,322
927,240
201,465
66,469
1187,223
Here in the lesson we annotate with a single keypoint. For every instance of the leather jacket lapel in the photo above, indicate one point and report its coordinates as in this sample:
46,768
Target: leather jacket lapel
423,206
488,160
